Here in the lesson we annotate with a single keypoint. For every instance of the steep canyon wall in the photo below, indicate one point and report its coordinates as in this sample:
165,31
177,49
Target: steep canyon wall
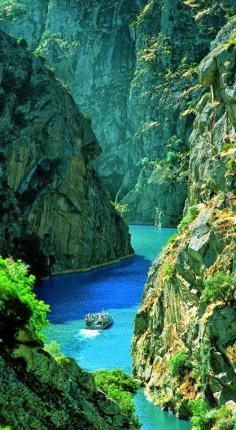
184,345
132,68
54,210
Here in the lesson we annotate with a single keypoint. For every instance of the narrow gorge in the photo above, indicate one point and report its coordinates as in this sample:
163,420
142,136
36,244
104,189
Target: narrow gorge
115,112
132,68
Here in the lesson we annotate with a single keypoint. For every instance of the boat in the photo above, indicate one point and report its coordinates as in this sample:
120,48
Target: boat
98,321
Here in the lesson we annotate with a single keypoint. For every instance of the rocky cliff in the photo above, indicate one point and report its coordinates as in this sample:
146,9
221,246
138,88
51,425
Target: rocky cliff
54,211
185,331
132,68
38,391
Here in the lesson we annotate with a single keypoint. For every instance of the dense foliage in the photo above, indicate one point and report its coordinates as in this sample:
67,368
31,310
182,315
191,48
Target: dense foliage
204,418
218,287
179,363
16,283
120,387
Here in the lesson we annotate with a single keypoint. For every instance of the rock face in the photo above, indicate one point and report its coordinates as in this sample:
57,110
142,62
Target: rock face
54,210
131,66
184,345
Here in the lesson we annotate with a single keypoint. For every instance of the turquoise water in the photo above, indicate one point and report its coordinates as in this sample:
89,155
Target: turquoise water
117,288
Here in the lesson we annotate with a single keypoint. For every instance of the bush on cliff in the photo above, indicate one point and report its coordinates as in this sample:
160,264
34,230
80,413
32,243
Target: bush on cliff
223,418
188,218
200,409
218,287
179,363
120,387
17,284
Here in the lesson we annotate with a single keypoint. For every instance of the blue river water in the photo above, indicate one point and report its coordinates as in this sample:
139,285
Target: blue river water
117,288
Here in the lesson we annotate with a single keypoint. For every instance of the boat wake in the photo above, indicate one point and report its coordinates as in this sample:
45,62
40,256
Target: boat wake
84,332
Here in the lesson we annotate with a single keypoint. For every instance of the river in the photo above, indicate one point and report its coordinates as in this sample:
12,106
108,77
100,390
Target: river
117,288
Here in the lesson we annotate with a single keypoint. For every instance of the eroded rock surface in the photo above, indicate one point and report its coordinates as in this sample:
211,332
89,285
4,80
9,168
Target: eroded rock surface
184,320
132,67
54,210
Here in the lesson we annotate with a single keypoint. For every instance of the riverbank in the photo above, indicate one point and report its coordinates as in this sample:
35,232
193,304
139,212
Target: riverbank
88,269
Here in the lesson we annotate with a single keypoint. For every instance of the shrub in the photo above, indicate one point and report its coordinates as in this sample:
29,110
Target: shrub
217,287
199,409
120,387
188,218
224,418
53,348
179,363
171,157
203,418
121,208
226,424
15,283
117,377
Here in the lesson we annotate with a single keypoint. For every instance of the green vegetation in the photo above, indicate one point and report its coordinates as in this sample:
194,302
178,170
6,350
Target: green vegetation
142,15
180,363
188,218
21,42
169,271
170,169
56,39
12,9
204,418
232,40
202,366
120,387
174,166
172,239
199,409
53,348
15,283
121,208
191,108
218,287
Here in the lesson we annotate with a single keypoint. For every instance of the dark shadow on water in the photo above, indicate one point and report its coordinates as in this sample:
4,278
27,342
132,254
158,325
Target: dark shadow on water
111,287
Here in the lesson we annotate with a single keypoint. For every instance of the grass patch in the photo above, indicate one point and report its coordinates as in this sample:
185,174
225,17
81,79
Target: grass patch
218,287
192,213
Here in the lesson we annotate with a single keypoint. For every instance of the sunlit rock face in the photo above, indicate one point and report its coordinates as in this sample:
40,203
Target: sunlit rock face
54,210
131,66
188,307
